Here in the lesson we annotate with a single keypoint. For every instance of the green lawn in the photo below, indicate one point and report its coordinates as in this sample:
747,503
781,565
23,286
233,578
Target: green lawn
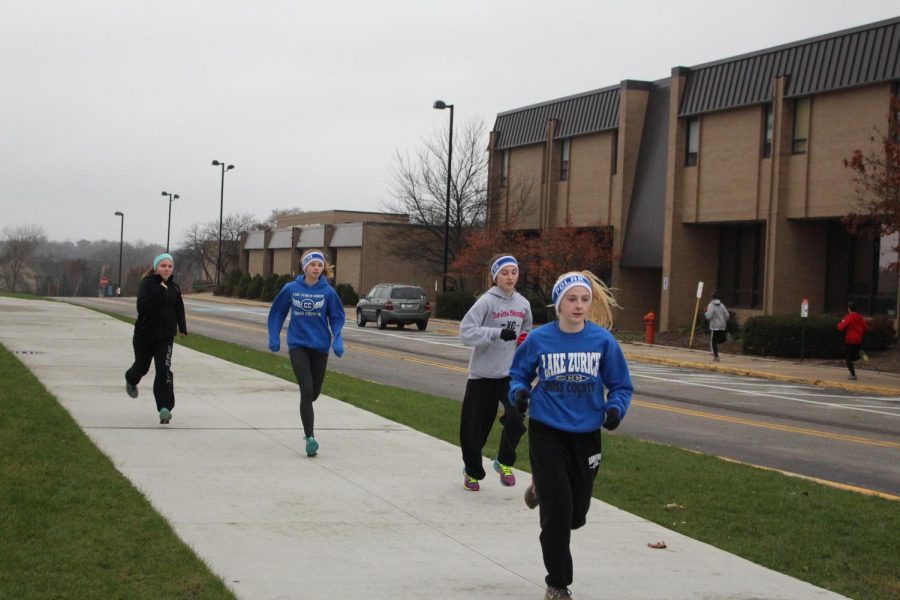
840,540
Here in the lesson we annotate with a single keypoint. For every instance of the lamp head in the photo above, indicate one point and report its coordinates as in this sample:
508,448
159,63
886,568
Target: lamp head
230,167
216,163
440,104
120,214
165,193
176,197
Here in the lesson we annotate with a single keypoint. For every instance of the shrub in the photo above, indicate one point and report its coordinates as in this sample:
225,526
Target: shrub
881,333
780,335
348,296
282,281
454,305
269,291
254,290
539,309
244,286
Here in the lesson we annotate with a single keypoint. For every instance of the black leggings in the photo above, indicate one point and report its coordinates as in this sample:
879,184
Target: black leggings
479,409
851,354
564,465
160,352
309,369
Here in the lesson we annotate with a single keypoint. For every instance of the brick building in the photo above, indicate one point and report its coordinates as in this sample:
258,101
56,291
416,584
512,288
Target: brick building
728,173
354,242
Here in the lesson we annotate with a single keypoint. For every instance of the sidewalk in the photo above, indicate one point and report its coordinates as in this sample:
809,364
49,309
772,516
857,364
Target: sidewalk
380,513
791,371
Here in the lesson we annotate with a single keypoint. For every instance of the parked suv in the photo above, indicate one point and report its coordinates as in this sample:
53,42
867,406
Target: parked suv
394,303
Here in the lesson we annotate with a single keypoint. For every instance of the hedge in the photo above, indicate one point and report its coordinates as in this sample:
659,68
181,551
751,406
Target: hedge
348,295
780,335
453,305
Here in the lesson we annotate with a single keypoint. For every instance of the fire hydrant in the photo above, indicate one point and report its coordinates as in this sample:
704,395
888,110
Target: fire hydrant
650,322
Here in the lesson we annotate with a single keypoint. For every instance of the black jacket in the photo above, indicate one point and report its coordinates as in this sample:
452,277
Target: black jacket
160,310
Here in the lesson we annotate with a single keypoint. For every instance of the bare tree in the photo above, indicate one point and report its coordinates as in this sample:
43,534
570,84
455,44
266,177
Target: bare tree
419,189
200,246
19,243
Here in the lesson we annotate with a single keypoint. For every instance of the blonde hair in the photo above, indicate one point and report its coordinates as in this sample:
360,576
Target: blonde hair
602,299
327,272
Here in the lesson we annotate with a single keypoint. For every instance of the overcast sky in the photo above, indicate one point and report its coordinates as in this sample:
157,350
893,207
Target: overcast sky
105,104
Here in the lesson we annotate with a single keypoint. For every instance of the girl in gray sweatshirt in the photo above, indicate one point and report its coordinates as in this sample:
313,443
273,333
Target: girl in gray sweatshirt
491,328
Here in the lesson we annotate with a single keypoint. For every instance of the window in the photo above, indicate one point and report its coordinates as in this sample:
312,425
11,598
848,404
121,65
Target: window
564,161
768,122
693,142
741,263
504,168
614,155
801,125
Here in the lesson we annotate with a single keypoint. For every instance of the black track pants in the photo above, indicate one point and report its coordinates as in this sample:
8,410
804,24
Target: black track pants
851,354
160,352
309,369
564,466
479,409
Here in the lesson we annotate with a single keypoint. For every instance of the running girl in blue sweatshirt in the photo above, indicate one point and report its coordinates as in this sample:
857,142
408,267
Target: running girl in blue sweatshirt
583,384
317,317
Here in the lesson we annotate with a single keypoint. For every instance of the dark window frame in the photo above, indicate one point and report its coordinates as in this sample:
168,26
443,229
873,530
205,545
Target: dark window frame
800,145
614,159
692,157
768,129
504,168
564,154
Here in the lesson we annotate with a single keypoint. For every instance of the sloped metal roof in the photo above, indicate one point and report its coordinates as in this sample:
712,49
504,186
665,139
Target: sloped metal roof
347,235
311,236
861,56
589,112
256,240
281,238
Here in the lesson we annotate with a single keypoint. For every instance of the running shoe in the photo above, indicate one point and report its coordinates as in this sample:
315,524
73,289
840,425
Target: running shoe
165,415
507,477
470,483
864,356
531,497
131,390
553,593
312,446
852,378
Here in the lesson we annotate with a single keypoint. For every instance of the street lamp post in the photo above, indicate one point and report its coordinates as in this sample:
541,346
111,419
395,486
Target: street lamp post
221,205
441,105
169,228
121,240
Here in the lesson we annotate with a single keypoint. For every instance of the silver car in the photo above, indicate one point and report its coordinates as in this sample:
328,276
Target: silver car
394,303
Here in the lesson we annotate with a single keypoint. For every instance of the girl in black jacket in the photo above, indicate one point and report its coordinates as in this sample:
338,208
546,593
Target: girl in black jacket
160,317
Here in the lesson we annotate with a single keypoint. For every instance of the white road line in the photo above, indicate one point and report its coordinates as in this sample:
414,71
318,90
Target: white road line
770,395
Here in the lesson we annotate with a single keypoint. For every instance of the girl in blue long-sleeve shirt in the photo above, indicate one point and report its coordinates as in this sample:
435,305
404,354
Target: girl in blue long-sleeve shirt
317,317
583,385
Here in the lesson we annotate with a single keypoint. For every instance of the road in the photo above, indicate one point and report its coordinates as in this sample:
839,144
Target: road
839,437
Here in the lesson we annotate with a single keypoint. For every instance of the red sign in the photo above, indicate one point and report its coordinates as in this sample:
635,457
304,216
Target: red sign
104,280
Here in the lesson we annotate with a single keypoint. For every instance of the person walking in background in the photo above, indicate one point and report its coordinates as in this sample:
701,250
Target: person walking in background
491,327
717,315
317,317
160,317
577,362
854,327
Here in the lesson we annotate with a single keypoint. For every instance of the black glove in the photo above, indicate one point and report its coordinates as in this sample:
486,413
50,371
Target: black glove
612,419
508,335
522,396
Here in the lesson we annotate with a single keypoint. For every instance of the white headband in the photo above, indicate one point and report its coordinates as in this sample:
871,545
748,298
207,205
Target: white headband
308,258
502,262
567,282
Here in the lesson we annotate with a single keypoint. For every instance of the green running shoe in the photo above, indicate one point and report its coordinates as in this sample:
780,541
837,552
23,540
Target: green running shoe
312,446
165,415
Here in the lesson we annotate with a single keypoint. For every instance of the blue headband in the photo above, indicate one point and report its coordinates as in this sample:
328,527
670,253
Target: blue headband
500,263
308,258
162,257
567,282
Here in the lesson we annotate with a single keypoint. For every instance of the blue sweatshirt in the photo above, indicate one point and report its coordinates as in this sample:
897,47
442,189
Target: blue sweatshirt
572,370
316,315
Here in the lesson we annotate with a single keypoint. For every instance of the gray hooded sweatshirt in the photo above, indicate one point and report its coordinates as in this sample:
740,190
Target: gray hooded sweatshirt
717,315
480,330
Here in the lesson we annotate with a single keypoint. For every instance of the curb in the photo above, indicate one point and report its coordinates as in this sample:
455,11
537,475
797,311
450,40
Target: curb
850,387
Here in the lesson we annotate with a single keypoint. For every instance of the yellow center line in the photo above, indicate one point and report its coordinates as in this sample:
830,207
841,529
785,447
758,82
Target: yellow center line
774,426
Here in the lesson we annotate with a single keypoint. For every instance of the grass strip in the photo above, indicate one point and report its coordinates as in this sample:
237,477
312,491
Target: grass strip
73,526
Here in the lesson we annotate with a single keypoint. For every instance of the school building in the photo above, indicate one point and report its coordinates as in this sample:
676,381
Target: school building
356,243
730,173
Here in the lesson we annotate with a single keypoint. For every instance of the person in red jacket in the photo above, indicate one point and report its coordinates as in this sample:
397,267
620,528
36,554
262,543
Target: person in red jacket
854,328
